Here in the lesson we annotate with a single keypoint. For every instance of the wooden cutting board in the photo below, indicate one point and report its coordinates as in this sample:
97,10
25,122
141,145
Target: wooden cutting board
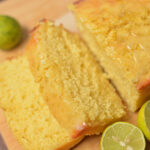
29,13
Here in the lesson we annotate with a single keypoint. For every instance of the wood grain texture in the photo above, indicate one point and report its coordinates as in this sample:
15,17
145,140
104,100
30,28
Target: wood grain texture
29,13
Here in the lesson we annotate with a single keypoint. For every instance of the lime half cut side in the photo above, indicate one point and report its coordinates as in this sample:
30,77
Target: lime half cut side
122,136
144,119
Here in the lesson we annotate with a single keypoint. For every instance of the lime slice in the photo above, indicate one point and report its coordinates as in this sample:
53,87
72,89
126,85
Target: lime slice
122,136
10,32
144,119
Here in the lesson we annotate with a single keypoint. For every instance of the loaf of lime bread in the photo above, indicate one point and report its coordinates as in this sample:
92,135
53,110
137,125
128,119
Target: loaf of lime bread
27,113
71,80
118,33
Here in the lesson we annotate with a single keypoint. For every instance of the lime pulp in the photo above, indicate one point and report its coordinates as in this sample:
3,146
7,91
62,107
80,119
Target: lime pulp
122,136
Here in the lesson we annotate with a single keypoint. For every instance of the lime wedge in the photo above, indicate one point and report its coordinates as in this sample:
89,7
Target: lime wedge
144,119
122,136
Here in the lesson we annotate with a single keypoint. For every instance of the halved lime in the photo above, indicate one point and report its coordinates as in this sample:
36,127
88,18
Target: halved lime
144,119
122,136
10,32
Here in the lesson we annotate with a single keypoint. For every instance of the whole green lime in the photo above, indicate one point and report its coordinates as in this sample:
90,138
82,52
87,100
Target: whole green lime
10,32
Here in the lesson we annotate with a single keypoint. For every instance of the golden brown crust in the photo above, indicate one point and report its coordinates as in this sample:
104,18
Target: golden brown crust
88,131
88,3
97,3
93,130
142,85
31,46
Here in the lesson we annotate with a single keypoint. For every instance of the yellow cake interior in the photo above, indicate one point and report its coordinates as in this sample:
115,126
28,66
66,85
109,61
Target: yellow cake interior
27,113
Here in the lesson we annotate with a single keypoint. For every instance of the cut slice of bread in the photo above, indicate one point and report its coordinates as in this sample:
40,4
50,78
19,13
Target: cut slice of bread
118,33
27,114
71,80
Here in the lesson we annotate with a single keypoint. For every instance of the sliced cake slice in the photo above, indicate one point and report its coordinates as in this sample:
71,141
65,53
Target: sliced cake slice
118,34
27,113
78,94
